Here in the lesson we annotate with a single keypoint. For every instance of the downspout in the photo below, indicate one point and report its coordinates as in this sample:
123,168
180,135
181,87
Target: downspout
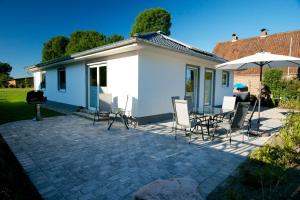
290,54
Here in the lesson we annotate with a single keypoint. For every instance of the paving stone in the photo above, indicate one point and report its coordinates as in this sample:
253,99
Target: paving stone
66,157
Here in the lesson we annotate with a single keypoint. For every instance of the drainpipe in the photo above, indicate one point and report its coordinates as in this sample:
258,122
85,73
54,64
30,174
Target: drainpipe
290,54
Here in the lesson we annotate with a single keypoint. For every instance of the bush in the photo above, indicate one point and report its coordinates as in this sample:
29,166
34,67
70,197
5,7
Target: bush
272,78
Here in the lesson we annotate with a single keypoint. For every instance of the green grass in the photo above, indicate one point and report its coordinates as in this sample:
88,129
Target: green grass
13,106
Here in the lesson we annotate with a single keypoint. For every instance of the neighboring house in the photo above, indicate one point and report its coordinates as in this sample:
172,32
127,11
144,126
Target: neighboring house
150,67
287,43
20,82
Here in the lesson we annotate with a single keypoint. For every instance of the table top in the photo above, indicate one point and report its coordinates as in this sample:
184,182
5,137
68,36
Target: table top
211,111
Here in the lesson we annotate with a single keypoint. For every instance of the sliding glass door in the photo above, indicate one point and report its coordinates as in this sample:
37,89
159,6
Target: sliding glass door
191,84
208,87
97,84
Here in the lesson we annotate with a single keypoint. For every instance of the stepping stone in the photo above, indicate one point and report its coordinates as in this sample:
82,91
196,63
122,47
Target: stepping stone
173,189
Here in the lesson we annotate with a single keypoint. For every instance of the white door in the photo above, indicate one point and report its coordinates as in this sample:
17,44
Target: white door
208,87
191,84
97,84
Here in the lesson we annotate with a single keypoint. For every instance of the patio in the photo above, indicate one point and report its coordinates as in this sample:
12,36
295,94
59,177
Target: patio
66,157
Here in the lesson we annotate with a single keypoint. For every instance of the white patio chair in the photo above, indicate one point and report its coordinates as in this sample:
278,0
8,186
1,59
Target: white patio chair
174,112
183,118
228,103
105,107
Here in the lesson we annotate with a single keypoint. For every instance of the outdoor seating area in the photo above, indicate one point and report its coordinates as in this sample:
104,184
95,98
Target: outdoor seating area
69,157
231,117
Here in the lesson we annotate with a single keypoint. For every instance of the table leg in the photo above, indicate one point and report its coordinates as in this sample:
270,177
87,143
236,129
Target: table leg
123,118
112,122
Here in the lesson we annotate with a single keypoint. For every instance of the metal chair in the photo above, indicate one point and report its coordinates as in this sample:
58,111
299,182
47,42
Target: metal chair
183,119
174,112
248,121
105,107
237,122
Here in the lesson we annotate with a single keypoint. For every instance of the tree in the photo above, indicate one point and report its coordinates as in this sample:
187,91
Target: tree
54,48
5,70
114,38
155,19
83,40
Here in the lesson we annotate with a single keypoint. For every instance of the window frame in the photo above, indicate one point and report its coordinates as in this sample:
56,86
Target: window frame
43,82
227,78
59,85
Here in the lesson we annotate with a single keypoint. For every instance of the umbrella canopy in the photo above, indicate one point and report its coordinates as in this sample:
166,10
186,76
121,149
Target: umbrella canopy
265,59
262,59
240,86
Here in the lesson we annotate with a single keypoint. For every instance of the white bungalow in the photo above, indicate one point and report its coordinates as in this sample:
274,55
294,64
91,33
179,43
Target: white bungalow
149,67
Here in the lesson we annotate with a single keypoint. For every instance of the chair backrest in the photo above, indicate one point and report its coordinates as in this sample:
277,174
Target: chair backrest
189,103
182,113
253,110
228,102
240,115
173,102
105,102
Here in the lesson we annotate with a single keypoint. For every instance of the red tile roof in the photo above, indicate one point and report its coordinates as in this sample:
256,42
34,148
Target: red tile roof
287,43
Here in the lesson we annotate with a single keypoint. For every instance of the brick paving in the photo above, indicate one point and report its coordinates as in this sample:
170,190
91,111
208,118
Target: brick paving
66,157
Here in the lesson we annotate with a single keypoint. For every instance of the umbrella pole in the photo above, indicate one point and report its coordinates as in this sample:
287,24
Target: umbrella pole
259,97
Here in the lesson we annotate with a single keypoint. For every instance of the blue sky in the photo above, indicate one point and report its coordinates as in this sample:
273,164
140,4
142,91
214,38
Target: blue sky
26,25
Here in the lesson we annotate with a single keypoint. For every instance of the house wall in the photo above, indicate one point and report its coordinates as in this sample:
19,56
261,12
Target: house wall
122,78
75,93
37,80
221,91
162,75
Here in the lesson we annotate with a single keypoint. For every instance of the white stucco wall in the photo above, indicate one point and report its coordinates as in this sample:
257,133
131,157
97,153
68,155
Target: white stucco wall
221,91
37,80
75,93
162,75
122,80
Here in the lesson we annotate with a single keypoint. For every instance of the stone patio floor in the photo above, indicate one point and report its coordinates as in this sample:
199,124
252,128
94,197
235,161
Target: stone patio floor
66,157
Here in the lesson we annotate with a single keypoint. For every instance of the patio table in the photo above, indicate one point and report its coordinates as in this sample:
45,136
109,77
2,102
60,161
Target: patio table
210,114
119,113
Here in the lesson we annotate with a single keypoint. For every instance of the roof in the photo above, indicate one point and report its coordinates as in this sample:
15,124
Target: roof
157,39
287,43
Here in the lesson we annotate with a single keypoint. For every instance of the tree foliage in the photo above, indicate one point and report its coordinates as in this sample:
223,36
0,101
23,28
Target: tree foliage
151,20
5,70
83,40
114,38
54,48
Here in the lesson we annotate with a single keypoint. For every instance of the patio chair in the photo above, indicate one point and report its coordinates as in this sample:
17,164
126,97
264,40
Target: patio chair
174,112
105,106
249,118
237,122
228,104
183,119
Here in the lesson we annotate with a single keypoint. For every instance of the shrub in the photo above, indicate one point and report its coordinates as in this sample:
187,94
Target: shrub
272,78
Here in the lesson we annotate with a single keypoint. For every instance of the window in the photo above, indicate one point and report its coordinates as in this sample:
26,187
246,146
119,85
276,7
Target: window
61,75
43,80
103,76
225,79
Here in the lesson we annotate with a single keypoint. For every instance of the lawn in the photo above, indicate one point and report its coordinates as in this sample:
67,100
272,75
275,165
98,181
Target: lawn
13,106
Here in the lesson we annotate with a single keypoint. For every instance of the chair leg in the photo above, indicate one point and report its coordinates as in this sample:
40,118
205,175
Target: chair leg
175,131
230,136
94,117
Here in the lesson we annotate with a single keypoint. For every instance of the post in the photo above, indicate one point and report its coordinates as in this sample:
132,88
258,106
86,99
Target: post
38,116
259,96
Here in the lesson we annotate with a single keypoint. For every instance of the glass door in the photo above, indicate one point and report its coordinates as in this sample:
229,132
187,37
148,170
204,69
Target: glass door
97,84
191,84
93,89
208,87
